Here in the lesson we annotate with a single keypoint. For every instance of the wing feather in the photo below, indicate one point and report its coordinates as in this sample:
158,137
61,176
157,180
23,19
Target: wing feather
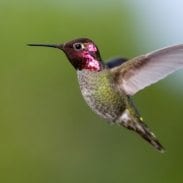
140,72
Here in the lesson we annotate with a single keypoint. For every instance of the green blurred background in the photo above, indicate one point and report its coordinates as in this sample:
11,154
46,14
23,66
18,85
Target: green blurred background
47,132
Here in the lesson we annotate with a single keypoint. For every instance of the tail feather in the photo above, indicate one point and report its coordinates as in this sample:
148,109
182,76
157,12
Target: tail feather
142,129
137,125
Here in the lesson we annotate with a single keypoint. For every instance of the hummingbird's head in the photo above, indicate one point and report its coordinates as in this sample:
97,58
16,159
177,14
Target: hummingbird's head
82,53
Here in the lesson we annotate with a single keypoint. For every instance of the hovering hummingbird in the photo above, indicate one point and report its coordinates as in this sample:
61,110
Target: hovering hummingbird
107,88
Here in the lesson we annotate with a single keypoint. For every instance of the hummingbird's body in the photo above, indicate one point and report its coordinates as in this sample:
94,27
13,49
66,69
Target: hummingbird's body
107,88
106,99
101,94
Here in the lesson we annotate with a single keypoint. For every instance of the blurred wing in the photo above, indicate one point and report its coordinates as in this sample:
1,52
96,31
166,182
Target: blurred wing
142,71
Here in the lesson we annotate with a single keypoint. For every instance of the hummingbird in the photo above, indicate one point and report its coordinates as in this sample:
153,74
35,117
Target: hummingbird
108,87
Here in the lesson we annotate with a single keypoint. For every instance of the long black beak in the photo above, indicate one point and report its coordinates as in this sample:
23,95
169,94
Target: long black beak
59,46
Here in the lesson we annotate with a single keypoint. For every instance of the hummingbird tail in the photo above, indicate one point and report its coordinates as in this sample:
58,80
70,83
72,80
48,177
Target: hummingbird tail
142,129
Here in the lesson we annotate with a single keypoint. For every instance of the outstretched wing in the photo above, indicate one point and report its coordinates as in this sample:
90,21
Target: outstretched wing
142,71
116,62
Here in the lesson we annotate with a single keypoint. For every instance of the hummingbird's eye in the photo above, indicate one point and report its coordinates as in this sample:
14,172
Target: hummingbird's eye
78,46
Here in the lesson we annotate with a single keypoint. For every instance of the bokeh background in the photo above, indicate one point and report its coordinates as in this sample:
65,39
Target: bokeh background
47,132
